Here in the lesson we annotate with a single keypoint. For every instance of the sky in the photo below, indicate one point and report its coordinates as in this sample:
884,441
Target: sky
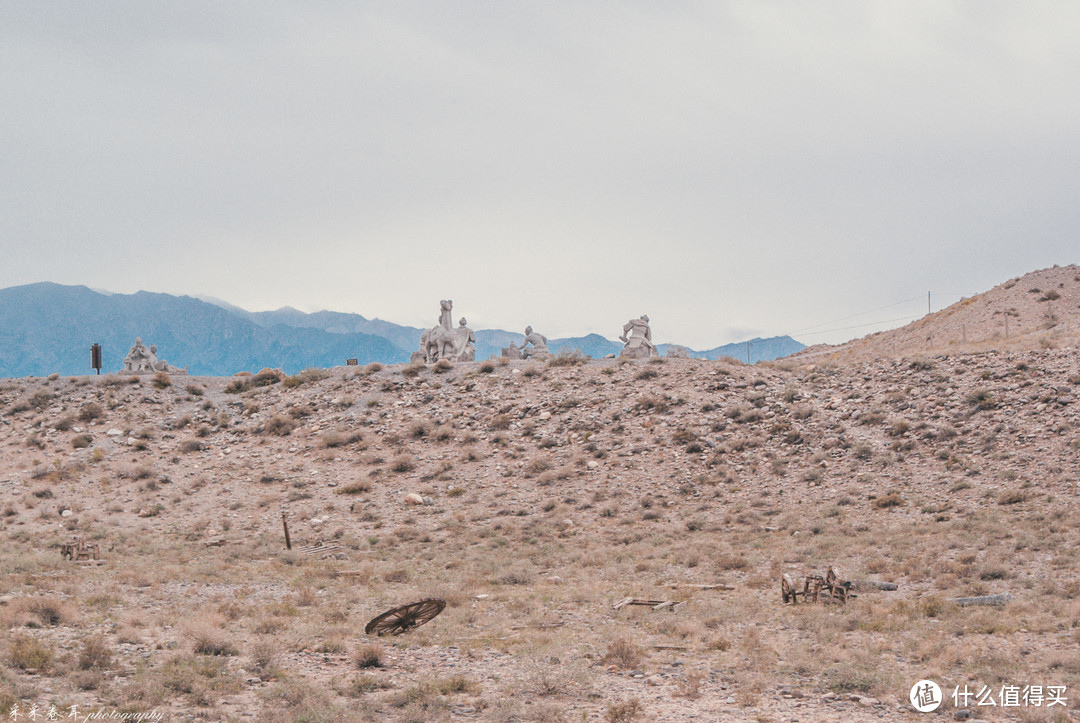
731,169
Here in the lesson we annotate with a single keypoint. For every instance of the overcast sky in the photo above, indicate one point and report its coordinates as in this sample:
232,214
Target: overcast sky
731,169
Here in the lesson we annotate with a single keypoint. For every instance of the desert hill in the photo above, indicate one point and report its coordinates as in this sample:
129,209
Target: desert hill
548,493
1039,310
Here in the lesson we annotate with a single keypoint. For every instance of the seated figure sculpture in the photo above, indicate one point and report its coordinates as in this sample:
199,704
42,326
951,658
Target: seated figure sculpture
463,342
539,348
639,344
140,360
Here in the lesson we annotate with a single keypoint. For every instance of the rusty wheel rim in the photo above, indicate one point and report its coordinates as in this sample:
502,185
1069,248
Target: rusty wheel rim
406,617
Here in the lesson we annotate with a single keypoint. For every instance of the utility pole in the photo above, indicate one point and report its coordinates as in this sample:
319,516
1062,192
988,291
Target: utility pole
747,352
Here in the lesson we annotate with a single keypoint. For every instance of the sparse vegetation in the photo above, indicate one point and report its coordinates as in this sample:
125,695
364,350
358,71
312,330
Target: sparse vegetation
530,504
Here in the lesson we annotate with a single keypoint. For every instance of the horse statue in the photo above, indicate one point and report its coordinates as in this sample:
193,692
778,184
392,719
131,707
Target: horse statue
438,342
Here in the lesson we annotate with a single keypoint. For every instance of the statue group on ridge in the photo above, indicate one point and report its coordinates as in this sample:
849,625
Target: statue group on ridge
443,341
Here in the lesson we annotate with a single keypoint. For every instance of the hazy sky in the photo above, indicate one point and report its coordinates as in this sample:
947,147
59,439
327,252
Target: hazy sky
732,169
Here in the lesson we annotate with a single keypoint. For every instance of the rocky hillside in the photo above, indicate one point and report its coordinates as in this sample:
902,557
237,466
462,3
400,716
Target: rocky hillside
545,494
1040,310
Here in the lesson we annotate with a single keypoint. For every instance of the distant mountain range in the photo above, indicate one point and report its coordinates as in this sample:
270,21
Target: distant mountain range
47,327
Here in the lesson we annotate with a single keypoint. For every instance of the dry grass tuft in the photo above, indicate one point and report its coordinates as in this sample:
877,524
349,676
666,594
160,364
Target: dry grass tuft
38,611
368,656
623,653
28,653
625,712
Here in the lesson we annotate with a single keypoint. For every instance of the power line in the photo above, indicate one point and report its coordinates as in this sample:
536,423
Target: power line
807,332
861,326
861,313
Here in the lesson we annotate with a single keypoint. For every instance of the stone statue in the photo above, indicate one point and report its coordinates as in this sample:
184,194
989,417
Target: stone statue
639,344
463,342
445,342
140,360
512,352
539,348
437,342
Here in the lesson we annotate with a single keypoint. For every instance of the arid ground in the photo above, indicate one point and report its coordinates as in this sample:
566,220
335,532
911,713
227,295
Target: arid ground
549,493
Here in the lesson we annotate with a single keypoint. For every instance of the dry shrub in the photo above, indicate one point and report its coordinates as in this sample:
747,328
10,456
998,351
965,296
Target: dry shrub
368,656
307,597
536,466
690,687
280,425
28,653
90,412
355,488
568,358
624,712
264,655
402,463
340,439
38,611
1011,497
207,637
624,653
891,499
95,654
88,679
396,576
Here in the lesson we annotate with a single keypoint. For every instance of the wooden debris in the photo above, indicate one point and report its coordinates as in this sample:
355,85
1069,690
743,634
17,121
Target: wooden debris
999,599
219,542
654,604
714,586
873,585
319,549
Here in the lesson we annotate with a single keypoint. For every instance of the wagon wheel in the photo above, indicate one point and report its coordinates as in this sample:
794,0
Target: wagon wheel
406,617
787,589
